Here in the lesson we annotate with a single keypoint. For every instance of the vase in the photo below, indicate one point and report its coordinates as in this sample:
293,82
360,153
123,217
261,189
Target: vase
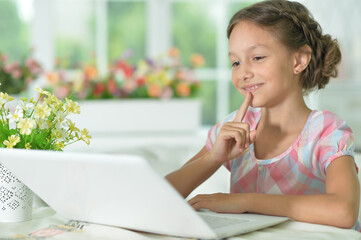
16,199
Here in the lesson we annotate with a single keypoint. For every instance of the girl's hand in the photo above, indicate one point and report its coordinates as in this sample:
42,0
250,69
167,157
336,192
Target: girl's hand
219,202
234,137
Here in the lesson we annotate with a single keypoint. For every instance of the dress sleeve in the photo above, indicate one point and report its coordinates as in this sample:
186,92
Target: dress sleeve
335,140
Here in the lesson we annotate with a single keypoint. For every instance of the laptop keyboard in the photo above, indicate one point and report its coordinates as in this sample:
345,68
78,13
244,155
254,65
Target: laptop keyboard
221,221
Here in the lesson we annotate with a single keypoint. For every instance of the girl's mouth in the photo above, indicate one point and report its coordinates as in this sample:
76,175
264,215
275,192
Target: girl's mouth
252,87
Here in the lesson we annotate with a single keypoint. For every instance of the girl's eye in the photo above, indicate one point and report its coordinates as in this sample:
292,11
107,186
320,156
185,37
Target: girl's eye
235,64
258,58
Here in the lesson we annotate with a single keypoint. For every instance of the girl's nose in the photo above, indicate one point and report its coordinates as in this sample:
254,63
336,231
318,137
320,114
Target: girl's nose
244,73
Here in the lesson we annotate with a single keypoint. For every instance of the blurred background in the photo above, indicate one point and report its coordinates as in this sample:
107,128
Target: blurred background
77,39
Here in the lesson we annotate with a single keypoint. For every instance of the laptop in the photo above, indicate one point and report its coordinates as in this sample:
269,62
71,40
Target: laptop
122,191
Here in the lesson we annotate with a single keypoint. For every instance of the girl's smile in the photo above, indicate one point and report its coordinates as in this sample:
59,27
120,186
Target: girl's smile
252,87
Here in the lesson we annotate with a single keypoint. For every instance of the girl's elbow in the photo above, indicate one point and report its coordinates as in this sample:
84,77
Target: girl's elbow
348,215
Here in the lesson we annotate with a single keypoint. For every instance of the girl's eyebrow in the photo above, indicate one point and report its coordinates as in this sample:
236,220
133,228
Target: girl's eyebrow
250,48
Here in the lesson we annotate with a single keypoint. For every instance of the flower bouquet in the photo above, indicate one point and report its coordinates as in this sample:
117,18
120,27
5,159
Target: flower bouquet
16,76
41,124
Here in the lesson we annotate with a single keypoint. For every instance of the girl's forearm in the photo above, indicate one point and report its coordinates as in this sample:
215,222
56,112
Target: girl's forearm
327,209
191,175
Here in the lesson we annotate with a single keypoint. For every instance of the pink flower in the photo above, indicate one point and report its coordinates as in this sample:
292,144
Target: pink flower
154,90
4,57
62,92
8,68
129,86
167,93
16,74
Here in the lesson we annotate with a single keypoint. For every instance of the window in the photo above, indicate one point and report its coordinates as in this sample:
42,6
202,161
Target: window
147,27
126,28
74,27
15,17
193,31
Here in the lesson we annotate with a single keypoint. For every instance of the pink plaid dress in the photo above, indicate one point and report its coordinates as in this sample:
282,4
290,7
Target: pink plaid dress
301,169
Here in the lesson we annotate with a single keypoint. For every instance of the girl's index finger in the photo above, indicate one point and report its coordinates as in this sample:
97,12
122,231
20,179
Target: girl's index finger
244,107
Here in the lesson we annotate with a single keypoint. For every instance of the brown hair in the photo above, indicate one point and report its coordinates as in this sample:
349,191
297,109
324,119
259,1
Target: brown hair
294,26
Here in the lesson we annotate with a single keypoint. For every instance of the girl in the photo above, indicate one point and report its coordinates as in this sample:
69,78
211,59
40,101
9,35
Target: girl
284,158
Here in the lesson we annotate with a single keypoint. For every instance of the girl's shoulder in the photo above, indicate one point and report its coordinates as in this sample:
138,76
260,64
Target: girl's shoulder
327,116
326,122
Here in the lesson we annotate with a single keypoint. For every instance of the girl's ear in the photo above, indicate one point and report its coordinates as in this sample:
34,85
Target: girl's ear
302,59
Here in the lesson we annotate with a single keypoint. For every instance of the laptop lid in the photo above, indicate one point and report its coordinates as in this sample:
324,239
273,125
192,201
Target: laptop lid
116,190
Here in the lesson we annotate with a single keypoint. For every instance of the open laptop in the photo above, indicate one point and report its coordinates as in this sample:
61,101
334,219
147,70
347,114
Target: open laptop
120,190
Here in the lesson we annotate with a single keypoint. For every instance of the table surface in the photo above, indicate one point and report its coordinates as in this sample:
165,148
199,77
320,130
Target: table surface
47,224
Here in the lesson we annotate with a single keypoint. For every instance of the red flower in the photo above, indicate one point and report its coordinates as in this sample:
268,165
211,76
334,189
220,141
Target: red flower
141,81
99,89
126,68
112,86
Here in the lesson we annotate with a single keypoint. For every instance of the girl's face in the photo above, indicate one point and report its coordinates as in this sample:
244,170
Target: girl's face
262,65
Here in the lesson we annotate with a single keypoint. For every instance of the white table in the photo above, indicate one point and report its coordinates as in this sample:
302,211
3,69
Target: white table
46,223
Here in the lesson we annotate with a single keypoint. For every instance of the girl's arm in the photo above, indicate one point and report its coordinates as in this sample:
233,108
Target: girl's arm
193,173
233,139
338,207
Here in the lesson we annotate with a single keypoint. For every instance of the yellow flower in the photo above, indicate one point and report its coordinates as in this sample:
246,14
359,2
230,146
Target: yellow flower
59,145
4,98
26,125
13,140
42,111
72,127
42,92
85,136
72,107
27,146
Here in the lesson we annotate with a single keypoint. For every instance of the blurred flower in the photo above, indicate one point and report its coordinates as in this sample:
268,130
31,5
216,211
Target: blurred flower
154,90
163,77
174,52
90,73
16,76
183,89
197,60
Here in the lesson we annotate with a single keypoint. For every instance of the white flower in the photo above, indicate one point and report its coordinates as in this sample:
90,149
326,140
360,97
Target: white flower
61,125
24,106
42,111
60,116
14,118
61,135
43,124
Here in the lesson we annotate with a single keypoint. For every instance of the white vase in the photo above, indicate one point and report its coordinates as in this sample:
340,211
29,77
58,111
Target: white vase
16,199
